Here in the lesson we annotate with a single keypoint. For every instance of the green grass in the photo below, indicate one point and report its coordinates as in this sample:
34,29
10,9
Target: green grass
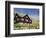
19,26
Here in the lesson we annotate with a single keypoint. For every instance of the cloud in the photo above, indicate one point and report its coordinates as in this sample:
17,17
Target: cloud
34,17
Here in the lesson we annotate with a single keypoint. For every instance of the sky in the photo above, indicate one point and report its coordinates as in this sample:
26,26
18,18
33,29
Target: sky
29,12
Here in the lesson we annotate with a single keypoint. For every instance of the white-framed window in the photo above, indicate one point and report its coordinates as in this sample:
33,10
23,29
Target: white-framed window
26,20
17,19
16,16
22,19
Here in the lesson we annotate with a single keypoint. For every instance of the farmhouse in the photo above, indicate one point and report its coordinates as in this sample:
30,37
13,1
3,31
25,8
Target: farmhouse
24,19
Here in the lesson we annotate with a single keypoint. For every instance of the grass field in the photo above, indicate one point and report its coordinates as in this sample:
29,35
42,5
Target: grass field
21,26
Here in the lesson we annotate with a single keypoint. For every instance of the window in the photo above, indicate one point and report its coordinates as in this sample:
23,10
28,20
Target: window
26,17
17,19
26,20
22,19
16,16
